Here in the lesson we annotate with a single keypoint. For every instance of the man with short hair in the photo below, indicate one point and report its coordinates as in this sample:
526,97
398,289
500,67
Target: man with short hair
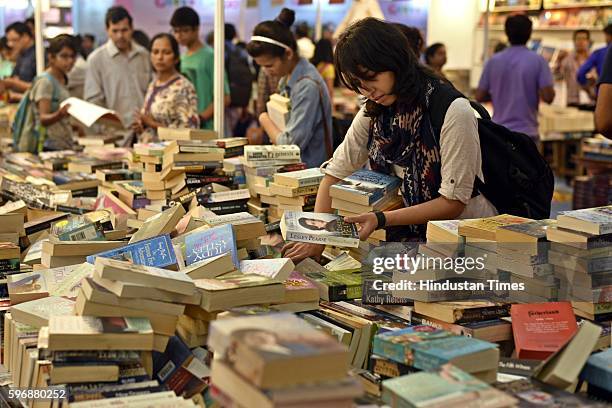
119,71
20,40
568,63
595,61
197,63
515,80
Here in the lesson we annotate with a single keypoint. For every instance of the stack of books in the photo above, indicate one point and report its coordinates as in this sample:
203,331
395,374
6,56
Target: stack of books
443,239
248,229
119,288
278,360
158,180
427,348
193,325
260,163
96,351
581,252
365,191
292,191
592,191
278,108
523,252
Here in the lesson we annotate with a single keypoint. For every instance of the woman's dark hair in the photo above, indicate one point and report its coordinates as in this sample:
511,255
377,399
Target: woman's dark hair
414,37
185,17
371,46
323,52
142,39
279,30
58,43
116,14
518,29
20,28
431,51
4,44
303,223
173,44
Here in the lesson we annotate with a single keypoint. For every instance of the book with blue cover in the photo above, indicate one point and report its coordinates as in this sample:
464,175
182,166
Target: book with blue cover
598,370
205,244
469,354
447,386
364,187
397,345
157,251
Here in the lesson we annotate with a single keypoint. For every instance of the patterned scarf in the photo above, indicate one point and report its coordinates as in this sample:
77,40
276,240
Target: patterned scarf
402,135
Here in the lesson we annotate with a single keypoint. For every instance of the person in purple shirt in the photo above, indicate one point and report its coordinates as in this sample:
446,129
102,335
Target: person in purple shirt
603,119
515,79
596,60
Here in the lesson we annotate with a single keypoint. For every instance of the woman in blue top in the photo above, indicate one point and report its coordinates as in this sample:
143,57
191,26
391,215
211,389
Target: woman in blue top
274,48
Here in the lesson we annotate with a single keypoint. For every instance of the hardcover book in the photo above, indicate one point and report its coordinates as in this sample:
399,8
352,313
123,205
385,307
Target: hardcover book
318,228
540,329
157,252
364,187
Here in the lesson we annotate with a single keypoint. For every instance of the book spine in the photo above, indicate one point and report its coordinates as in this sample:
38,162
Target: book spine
468,315
310,181
599,265
337,293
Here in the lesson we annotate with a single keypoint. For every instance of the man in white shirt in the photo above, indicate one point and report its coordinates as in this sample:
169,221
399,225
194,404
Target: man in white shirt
119,71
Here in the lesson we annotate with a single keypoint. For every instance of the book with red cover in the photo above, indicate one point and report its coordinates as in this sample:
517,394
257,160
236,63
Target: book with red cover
540,329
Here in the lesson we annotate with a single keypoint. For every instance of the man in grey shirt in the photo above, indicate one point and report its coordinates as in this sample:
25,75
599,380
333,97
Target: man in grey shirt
119,71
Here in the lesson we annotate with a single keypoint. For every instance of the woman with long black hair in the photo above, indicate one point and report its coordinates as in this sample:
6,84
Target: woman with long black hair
394,133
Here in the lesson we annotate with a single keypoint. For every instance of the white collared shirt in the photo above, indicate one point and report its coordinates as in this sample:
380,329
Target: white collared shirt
116,80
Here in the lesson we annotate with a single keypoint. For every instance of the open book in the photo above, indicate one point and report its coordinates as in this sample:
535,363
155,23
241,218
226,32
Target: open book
88,113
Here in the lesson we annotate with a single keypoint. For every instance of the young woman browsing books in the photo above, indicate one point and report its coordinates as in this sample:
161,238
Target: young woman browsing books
171,99
309,125
394,134
52,123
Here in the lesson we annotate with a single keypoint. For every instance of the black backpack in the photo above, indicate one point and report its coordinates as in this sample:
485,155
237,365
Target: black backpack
240,78
518,180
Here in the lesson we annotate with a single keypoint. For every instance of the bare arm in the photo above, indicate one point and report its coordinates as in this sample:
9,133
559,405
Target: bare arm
482,95
300,250
603,110
17,84
547,94
48,118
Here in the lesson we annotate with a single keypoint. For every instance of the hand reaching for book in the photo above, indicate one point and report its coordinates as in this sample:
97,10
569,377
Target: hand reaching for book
298,251
366,224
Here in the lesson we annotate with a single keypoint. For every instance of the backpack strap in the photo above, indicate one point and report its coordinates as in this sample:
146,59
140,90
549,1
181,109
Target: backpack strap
441,99
328,136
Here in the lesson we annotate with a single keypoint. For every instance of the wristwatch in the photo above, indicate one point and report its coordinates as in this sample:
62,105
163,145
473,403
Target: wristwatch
382,220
